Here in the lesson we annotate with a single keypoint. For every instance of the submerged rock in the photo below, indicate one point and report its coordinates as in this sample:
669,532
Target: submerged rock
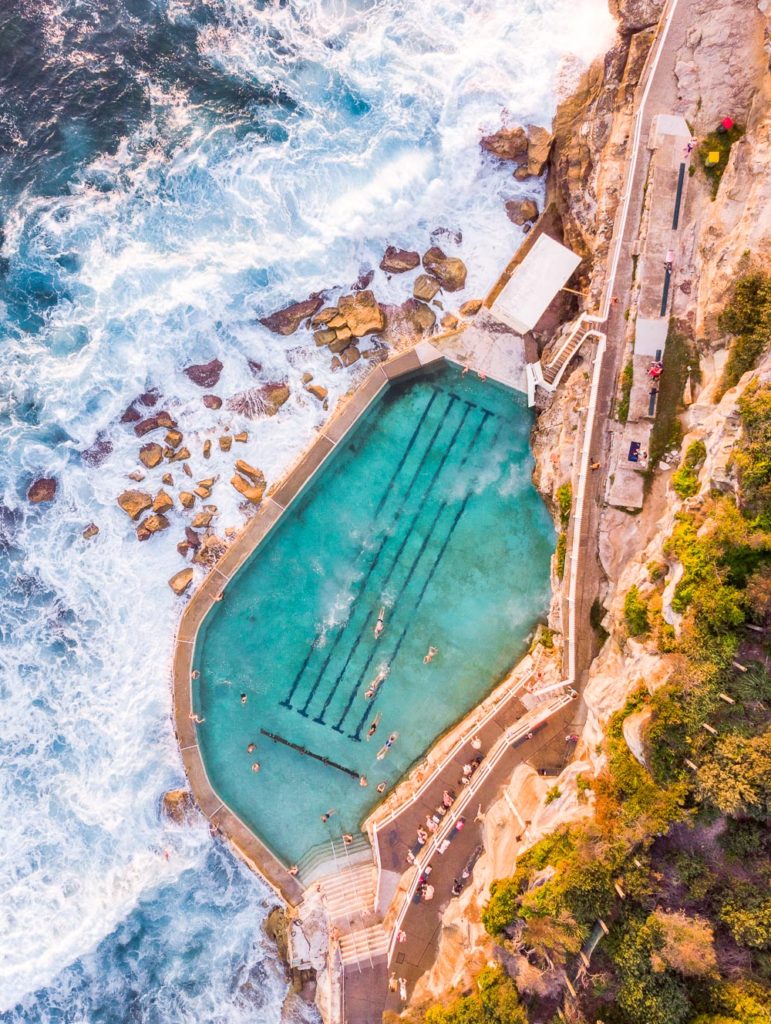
212,401
134,503
399,261
42,490
98,453
90,531
205,375
265,400
364,280
286,321
449,271
506,143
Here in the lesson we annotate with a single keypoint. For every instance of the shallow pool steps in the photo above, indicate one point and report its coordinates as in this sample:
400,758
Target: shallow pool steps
364,945
333,856
349,893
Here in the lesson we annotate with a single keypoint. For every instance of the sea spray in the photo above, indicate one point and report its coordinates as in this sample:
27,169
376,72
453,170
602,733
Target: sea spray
169,172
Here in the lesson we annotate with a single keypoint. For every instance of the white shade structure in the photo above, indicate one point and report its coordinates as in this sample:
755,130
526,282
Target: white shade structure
534,283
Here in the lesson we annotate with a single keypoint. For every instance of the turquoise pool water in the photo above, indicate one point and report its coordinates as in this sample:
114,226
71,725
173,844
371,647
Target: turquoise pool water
427,511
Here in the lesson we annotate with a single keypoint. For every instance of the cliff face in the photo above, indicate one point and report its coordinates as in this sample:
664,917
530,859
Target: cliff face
722,69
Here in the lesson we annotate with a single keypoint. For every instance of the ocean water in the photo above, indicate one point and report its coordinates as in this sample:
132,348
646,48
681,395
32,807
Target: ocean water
169,171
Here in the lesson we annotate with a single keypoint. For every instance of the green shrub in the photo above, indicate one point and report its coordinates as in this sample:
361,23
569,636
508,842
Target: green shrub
686,479
752,454
627,379
720,142
562,548
745,839
565,503
748,318
496,1001
747,912
553,794
636,613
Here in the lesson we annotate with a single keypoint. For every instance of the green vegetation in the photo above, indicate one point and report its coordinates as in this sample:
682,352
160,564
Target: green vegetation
562,547
565,503
667,432
496,1001
553,794
690,942
686,480
721,143
636,613
627,379
748,318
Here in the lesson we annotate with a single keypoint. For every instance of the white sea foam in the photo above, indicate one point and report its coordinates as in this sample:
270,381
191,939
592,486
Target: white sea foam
199,230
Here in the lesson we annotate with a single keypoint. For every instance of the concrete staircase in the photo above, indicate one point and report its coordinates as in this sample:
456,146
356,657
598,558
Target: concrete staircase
552,371
348,892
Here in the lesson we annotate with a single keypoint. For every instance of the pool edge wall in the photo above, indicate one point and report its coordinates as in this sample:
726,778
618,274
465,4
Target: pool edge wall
246,842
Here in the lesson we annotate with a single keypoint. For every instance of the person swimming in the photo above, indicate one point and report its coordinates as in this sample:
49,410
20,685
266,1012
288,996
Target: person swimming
430,655
372,689
380,624
373,725
387,745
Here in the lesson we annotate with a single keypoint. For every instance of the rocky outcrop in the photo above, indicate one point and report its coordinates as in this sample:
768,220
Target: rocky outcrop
360,313
179,583
506,143
425,287
134,503
521,211
449,271
161,420
408,323
265,400
42,490
205,375
151,454
399,261
286,321
178,804
539,142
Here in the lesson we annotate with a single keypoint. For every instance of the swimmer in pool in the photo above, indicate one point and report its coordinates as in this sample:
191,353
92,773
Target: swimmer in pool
380,624
373,726
387,745
431,654
243,698
372,689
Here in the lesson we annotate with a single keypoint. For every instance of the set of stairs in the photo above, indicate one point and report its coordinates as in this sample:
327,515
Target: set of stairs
346,877
553,370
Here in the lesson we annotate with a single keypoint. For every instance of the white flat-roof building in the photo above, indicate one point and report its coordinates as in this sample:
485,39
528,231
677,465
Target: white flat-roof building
534,283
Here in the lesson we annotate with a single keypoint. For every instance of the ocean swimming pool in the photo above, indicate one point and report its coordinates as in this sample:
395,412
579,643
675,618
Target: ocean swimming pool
426,510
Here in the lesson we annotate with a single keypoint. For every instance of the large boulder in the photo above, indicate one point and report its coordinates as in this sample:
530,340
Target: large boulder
134,503
361,312
160,420
286,321
255,475
252,492
42,490
409,322
265,400
205,375
178,804
152,524
521,211
398,261
151,454
425,287
506,143
449,271
539,142
179,583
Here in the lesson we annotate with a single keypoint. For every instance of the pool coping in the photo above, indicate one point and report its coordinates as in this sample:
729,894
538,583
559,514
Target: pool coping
246,842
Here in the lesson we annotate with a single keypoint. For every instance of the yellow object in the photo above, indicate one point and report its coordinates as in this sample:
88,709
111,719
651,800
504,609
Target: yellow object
713,157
